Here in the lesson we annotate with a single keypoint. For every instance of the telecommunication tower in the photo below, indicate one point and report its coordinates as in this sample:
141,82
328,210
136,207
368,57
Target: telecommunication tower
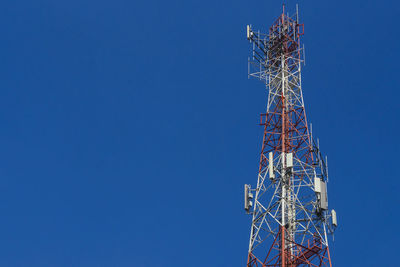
289,205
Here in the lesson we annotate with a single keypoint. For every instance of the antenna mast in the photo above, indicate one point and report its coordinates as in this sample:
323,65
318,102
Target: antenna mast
290,217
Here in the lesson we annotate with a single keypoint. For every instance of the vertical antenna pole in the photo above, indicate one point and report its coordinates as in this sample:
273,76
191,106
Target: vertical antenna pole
248,68
326,164
283,178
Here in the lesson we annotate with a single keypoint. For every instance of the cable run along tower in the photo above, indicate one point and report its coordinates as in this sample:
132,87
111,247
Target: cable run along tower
289,205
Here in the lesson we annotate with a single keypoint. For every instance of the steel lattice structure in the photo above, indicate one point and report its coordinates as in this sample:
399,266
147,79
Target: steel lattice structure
290,219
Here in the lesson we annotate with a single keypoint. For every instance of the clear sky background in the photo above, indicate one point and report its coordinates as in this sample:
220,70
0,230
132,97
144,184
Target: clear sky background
128,128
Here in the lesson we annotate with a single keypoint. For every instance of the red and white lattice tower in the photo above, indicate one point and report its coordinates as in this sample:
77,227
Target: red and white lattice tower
289,206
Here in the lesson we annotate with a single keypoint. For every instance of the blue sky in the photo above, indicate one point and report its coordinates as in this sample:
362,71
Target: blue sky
128,129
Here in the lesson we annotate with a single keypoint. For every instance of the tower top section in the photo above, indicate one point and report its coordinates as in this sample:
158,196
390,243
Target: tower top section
281,39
